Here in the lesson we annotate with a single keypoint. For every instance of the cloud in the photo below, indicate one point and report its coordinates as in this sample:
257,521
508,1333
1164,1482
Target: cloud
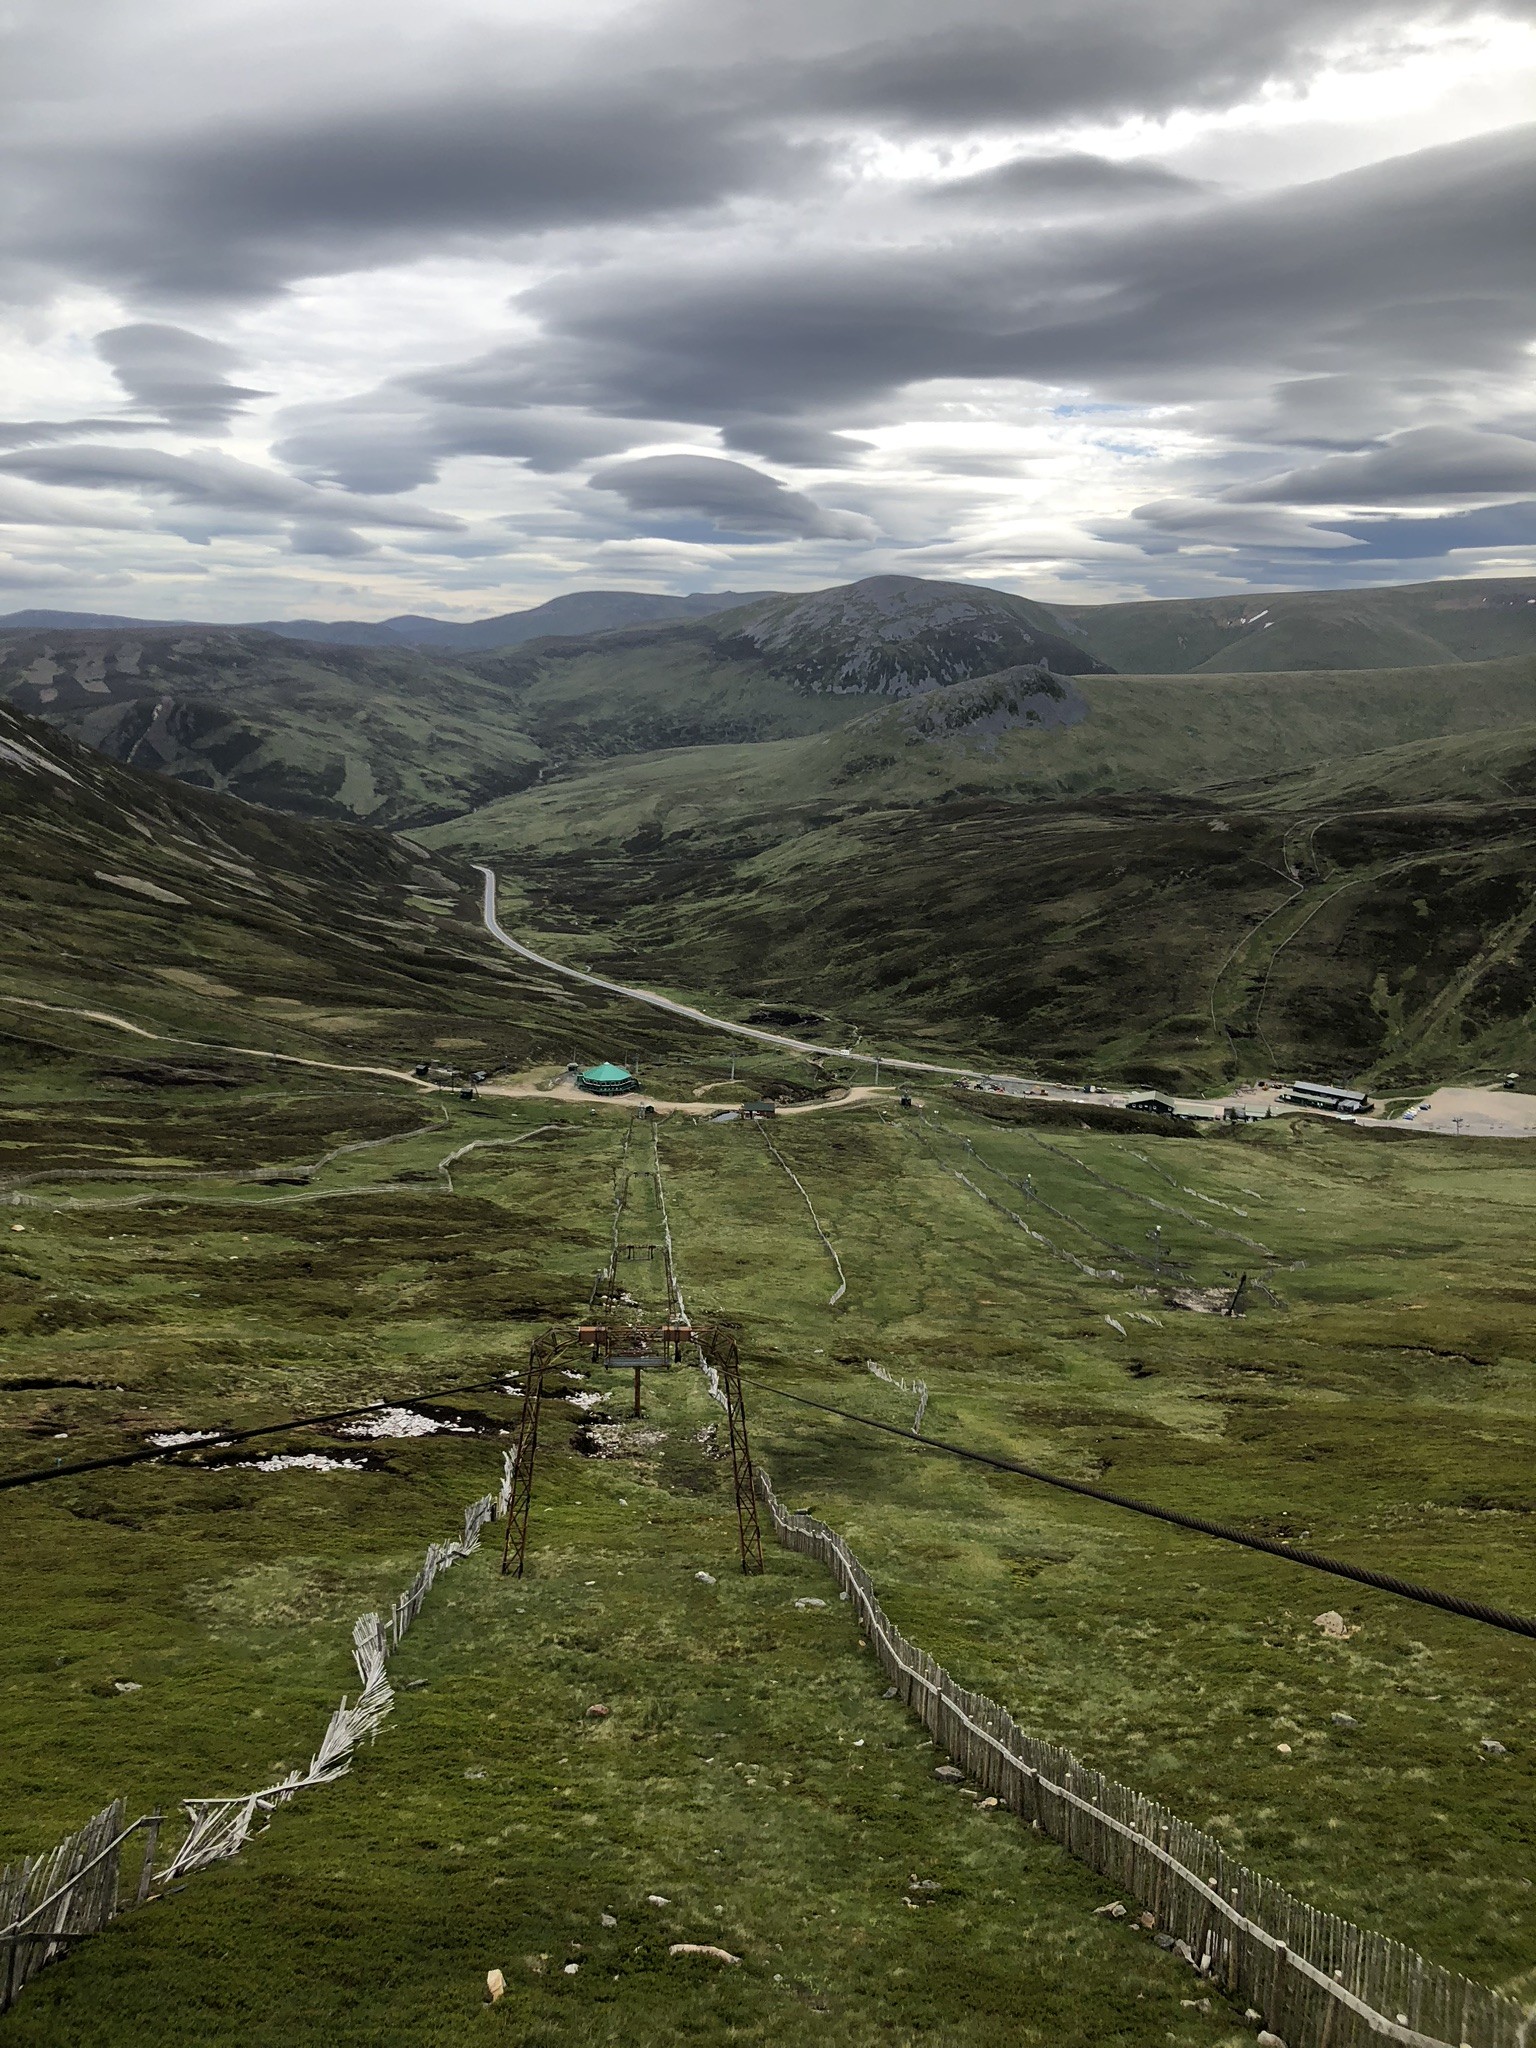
1424,463
1001,66
1221,524
1071,179
175,374
214,482
310,537
398,437
1499,529
1407,265
243,210
480,250
731,496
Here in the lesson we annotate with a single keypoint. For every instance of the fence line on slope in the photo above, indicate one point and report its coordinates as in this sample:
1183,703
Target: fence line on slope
918,1389
831,1248
1318,1980
48,1902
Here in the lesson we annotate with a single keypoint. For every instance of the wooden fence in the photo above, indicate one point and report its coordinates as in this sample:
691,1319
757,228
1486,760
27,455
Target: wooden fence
1317,1980
49,1901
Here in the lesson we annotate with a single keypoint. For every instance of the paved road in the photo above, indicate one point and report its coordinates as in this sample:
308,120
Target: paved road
644,995
1477,1112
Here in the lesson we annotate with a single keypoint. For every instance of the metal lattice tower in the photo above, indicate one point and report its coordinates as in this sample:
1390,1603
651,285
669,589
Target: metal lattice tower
719,1349
525,1448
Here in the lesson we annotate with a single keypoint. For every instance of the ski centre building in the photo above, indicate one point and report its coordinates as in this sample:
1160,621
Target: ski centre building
1340,1101
606,1079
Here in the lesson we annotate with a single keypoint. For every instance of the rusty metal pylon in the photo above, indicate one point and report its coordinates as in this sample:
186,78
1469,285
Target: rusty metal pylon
525,1447
720,1350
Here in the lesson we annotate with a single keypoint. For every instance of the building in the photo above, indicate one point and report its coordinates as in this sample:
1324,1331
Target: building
1340,1101
606,1079
1153,1105
759,1109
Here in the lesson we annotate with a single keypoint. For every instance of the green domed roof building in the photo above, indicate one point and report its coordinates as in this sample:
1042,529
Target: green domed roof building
606,1079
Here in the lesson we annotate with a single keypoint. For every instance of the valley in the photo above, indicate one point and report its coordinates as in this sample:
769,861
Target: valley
248,1175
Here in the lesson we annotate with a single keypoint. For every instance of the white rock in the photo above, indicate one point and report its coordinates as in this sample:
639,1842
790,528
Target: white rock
1333,1624
495,1986
706,1578
1269,2040
608,1920
1491,1748
571,1969
702,1948
1113,1911
655,1899
126,1685
810,1603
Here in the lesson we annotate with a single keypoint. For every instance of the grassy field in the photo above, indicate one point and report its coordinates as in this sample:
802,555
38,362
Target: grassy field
1384,1412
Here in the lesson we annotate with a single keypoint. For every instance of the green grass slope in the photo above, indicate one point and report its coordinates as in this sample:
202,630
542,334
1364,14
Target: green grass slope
212,924
1158,879
749,1775
1412,625
325,732
1014,734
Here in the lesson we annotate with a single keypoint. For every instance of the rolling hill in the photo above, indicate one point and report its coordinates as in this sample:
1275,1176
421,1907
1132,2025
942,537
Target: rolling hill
1402,626
340,733
1410,626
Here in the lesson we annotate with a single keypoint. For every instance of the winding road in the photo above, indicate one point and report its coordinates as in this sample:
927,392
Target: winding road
499,932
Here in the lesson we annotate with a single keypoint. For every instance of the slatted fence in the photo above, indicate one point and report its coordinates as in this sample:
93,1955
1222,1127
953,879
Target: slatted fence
1318,1980
49,1901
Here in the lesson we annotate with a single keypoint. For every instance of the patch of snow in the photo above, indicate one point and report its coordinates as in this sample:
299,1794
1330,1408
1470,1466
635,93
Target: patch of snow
402,1422
169,1439
310,1461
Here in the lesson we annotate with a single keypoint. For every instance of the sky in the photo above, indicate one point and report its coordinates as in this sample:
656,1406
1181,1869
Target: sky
352,311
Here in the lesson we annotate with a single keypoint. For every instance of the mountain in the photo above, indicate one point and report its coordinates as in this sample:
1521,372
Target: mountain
1409,626
389,736
896,635
191,913
578,611
1086,871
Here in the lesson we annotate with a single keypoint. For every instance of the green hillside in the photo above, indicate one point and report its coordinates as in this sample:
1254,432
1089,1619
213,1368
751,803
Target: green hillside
244,1208
326,732
1412,625
214,924
1089,874
1016,734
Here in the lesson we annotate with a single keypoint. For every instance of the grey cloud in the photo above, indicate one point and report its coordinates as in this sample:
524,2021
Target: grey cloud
1500,527
344,543
1007,66
801,443
1423,463
213,482
175,373
34,433
391,441
1421,264
1218,523
1074,178
731,496
636,118
242,210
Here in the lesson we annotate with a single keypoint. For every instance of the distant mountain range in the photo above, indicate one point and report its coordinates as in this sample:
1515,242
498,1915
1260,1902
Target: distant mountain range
1170,841
579,611
1396,626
